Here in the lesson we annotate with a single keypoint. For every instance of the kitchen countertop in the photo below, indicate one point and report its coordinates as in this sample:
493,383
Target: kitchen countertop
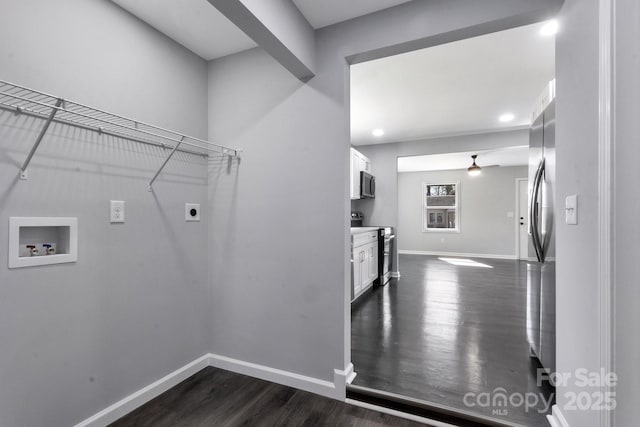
358,230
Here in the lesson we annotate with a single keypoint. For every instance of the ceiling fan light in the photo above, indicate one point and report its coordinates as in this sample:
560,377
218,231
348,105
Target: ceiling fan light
474,169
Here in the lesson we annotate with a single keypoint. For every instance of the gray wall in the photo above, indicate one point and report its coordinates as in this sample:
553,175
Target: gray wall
274,280
79,337
576,167
483,205
627,207
279,218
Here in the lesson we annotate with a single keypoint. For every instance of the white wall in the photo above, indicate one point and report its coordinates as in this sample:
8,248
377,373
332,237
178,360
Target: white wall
279,217
79,337
484,201
578,298
577,295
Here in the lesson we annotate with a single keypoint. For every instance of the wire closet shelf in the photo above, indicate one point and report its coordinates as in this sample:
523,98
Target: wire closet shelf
23,100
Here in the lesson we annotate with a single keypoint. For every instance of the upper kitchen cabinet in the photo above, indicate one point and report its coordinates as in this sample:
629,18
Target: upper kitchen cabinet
359,163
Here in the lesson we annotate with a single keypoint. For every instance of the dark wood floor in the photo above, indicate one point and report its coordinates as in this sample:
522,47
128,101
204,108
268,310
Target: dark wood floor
214,397
442,331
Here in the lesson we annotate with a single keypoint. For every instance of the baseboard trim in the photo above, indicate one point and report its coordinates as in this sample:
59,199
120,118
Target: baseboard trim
302,382
456,254
557,419
340,380
144,395
395,274
336,390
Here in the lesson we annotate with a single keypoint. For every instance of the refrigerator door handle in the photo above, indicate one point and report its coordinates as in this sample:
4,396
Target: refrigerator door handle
533,214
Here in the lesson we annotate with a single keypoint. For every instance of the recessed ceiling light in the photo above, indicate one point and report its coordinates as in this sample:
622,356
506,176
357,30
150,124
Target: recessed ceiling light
507,117
377,132
549,28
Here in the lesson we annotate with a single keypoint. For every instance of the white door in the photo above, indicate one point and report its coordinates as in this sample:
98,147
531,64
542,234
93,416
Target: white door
523,218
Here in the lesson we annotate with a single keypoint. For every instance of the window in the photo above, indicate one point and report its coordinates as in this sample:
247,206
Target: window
440,207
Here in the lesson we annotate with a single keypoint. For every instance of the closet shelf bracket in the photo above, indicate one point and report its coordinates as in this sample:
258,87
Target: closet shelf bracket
175,148
43,131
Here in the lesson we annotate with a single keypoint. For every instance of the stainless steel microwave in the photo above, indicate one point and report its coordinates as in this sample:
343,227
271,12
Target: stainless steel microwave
367,186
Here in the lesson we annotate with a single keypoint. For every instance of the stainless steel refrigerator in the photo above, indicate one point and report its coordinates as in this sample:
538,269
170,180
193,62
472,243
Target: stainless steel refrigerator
541,273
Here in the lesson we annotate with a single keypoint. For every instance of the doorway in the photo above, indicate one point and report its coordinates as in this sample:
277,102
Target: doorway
453,327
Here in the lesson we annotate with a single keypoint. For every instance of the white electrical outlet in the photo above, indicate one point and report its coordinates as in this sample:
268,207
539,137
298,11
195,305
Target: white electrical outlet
192,212
117,211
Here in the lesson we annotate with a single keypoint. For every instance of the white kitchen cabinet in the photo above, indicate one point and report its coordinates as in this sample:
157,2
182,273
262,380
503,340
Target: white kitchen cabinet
373,262
357,278
359,163
365,261
355,174
365,164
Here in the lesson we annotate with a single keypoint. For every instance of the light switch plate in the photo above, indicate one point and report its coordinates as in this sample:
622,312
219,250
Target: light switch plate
117,211
571,210
192,212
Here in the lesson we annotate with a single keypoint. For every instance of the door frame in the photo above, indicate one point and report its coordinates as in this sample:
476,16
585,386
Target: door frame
605,210
606,142
517,217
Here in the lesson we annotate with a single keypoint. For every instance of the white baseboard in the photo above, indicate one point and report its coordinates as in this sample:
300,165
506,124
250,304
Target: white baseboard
341,378
335,390
395,274
302,382
456,254
557,419
142,396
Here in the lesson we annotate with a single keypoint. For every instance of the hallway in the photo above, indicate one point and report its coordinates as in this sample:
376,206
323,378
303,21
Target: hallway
444,330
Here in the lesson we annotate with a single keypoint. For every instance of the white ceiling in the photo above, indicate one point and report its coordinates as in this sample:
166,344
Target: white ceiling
195,24
198,26
510,156
327,12
456,88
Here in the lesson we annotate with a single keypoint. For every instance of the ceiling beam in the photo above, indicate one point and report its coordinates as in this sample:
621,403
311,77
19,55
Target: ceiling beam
279,28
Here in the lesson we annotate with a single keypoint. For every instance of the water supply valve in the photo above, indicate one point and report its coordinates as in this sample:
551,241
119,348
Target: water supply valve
33,251
49,249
